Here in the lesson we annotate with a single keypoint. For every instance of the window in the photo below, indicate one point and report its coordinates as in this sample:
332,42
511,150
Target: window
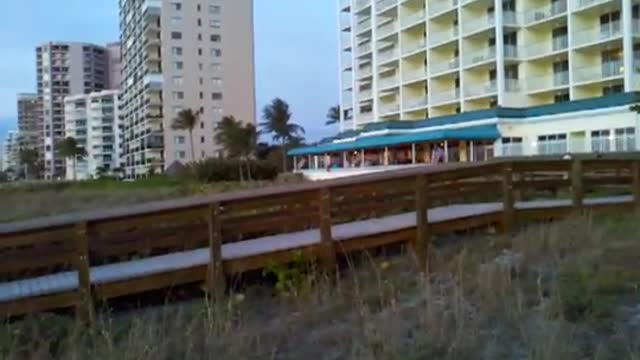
552,144
560,98
179,140
214,9
178,95
181,155
201,125
199,51
511,146
216,96
560,38
176,20
201,139
176,50
199,37
612,89
178,65
177,80
176,35
199,8
199,22
177,110
625,139
217,110
176,5
200,66
216,81
600,141
216,66
201,95
215,24
216,52
215,38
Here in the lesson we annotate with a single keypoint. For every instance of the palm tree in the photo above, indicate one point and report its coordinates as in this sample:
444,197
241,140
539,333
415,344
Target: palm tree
238,141
69,149
28,159
277,119
333,115
187,120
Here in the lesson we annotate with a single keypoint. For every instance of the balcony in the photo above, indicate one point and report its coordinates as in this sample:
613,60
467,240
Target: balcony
389,109
345,23
547,48
581,4
384,4
510,18
512,85
388,55
478,24
365,94
152,7
389,82
445,96
153,81
387,29
345,4
417,74
363,25
416,103
480,56
364,49
361,4
544,83
442,37
480,90
415,46
605,71
441,6
365,117
545,12
414,19
511,52
603,33
365,72
438,67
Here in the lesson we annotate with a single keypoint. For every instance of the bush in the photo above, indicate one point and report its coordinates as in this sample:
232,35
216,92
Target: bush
217,170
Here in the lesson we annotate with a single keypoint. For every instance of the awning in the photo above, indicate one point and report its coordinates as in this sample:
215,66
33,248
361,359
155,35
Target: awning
479,133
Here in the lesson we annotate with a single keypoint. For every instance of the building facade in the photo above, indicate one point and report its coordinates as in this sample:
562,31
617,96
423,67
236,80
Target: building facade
10,152
179,55
94,121
30,127
114,53
417,59
63,69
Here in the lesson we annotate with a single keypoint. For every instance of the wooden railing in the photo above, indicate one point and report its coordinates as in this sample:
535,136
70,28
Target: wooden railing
246,230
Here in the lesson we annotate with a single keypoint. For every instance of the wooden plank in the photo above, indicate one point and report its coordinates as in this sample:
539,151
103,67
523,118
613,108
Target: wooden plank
40,236
422,241
216,283
326,237
38,304
577,190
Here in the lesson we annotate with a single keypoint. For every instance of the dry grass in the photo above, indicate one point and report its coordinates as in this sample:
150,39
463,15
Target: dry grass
561,291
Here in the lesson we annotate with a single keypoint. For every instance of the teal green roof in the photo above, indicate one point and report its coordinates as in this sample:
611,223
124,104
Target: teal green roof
486,132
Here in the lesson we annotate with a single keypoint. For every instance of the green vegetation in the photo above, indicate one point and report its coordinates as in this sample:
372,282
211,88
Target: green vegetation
333,115
277,122
69,148
187,120
238,141
560,291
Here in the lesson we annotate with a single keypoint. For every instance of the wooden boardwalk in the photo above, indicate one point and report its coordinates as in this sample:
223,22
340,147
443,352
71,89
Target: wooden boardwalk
69,260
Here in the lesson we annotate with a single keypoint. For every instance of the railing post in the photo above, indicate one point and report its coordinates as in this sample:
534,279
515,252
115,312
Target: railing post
216,284
422,242
84,308
635,175
577,191
508,203
328,253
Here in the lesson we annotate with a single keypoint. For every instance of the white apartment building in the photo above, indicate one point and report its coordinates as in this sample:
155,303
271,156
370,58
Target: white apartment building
94,121
416,59
10,149
177,55
63,69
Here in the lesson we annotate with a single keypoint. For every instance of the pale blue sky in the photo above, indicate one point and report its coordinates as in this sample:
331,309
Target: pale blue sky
296,50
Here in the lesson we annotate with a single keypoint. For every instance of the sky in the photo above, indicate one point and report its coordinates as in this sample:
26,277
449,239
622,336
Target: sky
295,42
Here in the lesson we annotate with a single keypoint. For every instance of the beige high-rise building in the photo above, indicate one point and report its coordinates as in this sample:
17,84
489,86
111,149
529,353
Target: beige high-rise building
177,55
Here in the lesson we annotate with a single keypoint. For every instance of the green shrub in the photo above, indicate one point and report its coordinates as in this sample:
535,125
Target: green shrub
218,170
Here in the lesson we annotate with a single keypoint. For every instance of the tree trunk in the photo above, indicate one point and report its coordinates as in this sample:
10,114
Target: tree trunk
240,171
26,172
193,152
284,156
248,163
74,168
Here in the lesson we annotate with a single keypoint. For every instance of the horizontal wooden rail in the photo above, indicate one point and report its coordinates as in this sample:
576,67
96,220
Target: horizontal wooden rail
117,252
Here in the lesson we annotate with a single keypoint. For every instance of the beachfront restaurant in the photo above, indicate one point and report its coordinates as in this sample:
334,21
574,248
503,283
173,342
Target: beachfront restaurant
604,124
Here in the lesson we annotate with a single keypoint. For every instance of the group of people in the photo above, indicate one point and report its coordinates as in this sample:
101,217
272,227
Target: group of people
355,160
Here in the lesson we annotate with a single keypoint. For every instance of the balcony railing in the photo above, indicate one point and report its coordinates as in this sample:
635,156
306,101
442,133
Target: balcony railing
383,4
480,56
364,48
605,32
415,46
511,52
388,82
415,74
422,101
635,26
436,7
363,25
538,83
439,37
603,71
481,89
389,109
365,117
387,29
480,23
444,96
547,47
511,18
388,55
512,85
361,4
365,71
545,12
585,3
414,18
438,67
365,94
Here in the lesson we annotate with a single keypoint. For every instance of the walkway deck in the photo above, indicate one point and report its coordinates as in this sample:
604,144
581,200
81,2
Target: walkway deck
99,275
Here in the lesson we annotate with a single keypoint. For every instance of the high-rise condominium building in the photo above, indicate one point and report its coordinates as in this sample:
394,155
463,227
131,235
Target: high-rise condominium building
94,121
114,52
417,59
10,152
177,55
64,69
30,127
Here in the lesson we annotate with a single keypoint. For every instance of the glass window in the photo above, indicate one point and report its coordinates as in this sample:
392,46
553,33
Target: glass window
176,5
600,141
179,140
176,35
214,9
